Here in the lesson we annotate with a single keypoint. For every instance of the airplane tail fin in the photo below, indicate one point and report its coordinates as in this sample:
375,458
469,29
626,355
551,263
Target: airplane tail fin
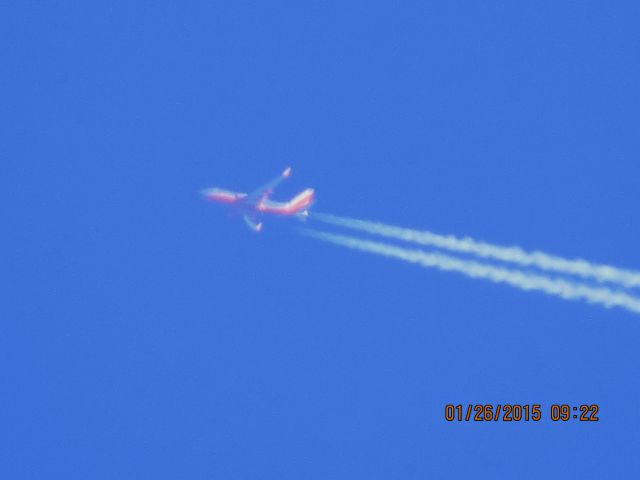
303,199
301,203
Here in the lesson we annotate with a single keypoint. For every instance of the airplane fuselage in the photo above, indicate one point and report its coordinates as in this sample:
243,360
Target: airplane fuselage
299,203
258,203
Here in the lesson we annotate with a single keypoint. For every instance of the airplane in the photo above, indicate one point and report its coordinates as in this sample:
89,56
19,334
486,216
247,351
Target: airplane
253,205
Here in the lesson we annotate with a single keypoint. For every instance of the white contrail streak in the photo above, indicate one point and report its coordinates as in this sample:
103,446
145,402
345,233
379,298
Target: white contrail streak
541,260
516,278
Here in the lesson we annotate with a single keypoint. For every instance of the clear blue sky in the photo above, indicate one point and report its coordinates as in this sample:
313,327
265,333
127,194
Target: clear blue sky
148,334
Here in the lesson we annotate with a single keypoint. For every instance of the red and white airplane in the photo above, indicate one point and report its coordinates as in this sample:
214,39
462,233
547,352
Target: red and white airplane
253,205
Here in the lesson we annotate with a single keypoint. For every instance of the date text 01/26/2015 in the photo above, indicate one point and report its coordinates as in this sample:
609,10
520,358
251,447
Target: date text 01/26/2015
514,412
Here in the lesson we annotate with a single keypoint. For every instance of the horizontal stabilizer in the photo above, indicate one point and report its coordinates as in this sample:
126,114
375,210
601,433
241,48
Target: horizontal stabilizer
252,224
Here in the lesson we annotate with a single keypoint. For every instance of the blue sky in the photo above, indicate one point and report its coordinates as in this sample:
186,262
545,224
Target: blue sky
147,333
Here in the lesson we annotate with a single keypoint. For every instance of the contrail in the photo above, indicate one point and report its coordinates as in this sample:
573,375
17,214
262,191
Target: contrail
524,280
541,260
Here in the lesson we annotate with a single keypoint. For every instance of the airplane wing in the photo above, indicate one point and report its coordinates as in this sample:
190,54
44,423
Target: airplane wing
266,189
